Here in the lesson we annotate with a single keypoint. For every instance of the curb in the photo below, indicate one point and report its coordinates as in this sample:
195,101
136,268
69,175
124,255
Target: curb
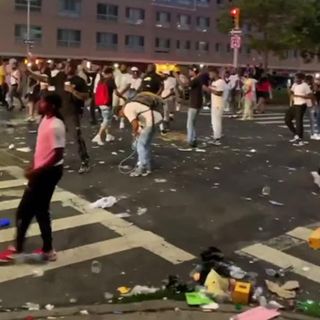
141,307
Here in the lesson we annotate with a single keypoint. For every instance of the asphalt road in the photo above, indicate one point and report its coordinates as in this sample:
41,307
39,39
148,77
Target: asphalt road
202,199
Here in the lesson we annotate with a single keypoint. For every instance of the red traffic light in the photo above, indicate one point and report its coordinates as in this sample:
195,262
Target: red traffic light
235,12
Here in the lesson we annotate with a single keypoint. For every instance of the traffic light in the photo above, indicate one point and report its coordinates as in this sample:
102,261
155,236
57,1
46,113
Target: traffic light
235,14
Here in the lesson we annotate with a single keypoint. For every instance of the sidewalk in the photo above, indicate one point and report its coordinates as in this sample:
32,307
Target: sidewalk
149,310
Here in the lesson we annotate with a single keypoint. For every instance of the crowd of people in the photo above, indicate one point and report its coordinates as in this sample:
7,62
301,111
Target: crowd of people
60,92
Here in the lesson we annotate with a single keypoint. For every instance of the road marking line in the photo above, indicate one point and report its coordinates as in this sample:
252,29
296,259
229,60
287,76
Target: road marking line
57,196
14,171
300,233
12,183
57,225
69,257
283,260
305,126
270,122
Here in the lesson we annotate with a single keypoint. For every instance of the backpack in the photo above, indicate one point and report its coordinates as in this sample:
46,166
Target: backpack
152,101
102,97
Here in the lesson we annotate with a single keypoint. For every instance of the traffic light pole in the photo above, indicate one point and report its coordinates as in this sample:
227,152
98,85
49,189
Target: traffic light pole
235,58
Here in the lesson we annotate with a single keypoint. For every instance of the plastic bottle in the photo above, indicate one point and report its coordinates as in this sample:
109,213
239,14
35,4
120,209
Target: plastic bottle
4,223
266,191
309,307
96,267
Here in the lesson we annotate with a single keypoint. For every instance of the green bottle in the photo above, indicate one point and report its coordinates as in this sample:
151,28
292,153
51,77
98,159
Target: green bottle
309,307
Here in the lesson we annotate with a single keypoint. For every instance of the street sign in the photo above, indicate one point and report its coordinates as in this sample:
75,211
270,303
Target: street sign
29,42
235,42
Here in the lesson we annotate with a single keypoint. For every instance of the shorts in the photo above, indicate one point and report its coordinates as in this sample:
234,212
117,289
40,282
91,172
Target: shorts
262,94
107,114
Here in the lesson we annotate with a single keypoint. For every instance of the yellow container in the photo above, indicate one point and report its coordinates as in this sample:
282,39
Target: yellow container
241,293
314,239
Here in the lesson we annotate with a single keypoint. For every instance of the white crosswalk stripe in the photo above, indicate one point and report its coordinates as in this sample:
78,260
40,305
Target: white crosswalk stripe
274,252
129,235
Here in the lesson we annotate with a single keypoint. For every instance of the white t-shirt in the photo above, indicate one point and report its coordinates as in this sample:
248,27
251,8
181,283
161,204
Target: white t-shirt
301,89
217,101
51,135
168,85
136,110
122,80
15,77
135,84
234,81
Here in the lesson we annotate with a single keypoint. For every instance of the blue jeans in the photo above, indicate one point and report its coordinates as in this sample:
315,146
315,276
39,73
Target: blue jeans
314,113
107,114
191,125
144,148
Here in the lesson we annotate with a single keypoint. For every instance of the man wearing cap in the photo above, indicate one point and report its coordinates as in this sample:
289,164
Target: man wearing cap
195,84
151,82
169,97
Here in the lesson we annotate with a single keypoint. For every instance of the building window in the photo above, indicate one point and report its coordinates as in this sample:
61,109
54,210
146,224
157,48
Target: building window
134,43
203,3
21,33
184,22
135,15
162,45
217,46
69,38
203,24
163,19
35,5
183,45
106,40
107,12
70,8
202,46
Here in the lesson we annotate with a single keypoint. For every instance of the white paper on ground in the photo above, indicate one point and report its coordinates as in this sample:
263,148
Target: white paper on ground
106,202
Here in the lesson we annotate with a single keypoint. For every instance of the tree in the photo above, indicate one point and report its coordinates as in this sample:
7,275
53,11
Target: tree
273,23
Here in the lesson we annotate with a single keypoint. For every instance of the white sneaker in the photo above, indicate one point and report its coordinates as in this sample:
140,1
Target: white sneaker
97,140
298,143
295,138
110,138
317,137
316,178
122,125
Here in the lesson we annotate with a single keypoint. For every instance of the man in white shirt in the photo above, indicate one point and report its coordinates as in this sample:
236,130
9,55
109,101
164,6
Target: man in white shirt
300,95
217,105
235,93
15,87
135,83
169,97
123,80
143,115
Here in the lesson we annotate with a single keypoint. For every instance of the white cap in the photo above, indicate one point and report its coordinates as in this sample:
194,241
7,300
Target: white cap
134,69
167,72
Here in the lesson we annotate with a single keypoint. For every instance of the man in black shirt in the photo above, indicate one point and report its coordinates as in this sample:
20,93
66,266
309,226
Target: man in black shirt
151,82
195,103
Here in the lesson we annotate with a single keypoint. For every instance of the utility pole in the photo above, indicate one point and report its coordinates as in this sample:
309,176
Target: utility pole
235,36
28,41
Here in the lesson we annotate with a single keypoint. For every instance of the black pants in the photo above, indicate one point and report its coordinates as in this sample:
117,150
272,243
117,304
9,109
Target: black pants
93,109
36,203
296,113
14,93
73,123
3,92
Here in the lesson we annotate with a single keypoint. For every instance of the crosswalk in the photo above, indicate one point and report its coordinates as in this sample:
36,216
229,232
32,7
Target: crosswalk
278,252
269,118
128,237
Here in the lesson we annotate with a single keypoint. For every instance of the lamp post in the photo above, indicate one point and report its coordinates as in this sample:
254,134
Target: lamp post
235,41
28,41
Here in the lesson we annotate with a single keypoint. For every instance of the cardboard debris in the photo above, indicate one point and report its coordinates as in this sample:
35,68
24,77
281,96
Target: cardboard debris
197,299
286,291
216,285
259,313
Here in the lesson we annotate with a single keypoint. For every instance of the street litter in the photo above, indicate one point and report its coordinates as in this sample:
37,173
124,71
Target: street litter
108,295
200,150
73,300
84,312
25,149
139,290
266,191
106,202
49,307
96,267
122,215
38,273
258,313
211,306
197,299
173,190
114,153
253,150
123,290
217,168
11,146
309,307
286,291
274,305
102,162
275,203
216,285
314,239
4,223
160,180
141,211
31,306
